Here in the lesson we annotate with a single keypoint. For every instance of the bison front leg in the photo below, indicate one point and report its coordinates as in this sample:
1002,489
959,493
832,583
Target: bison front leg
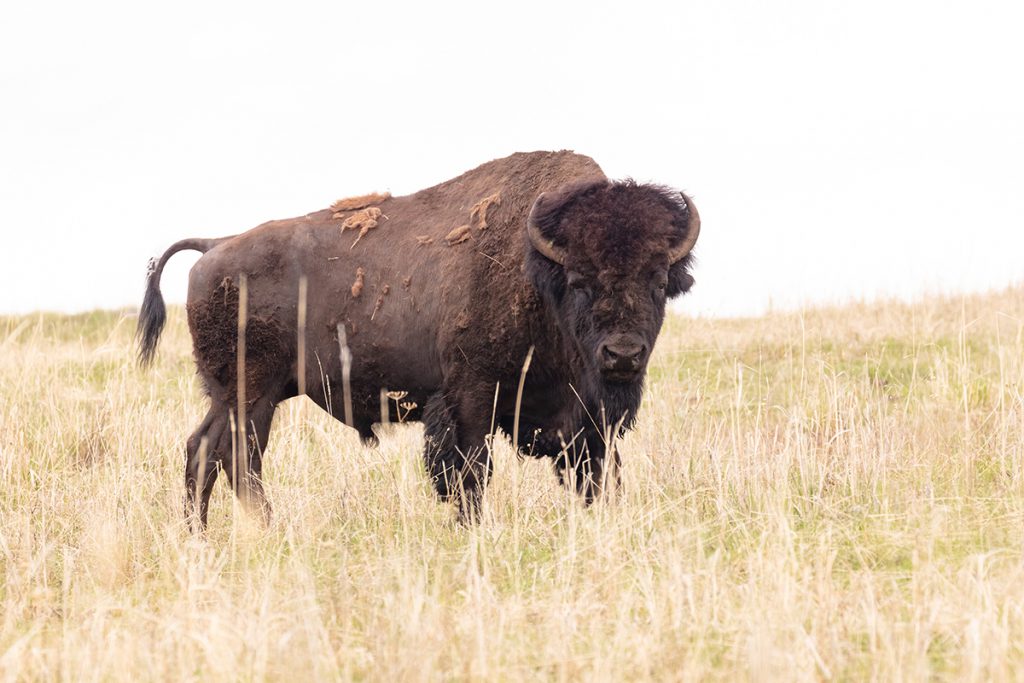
456,453
590,465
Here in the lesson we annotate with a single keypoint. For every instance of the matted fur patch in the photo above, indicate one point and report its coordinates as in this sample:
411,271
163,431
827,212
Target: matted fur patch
458,235
363,220
360,202
357,286
478,214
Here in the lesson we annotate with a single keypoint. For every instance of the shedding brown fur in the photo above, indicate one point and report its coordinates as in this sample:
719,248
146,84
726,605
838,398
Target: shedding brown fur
478,214
364,221
357,286
424,239
458,235
360,202
214,323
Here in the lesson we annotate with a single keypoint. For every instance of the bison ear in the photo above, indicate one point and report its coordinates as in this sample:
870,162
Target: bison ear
679,281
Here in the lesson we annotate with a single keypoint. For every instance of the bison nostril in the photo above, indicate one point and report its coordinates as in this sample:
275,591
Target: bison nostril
622,356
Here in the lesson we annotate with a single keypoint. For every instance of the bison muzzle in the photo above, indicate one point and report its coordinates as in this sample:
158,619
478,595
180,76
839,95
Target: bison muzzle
442,296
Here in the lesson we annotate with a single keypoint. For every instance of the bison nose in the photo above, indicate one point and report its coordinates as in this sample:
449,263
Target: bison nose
622,355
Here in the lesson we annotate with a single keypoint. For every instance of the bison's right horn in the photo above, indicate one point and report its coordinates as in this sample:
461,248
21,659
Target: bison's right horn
692,231
539,241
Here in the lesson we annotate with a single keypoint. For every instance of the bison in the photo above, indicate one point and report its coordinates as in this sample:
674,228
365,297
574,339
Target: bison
526,294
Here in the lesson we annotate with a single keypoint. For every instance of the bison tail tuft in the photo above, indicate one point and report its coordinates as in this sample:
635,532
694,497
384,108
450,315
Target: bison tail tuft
152,316
153,313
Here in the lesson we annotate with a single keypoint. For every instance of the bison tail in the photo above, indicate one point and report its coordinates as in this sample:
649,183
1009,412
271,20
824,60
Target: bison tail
153,313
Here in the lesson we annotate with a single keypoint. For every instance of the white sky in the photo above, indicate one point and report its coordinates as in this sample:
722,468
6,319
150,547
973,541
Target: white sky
836,150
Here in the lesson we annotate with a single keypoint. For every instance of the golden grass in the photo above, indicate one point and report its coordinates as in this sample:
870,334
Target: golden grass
833,494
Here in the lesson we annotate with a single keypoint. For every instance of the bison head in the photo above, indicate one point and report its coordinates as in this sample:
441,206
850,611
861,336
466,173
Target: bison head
606,256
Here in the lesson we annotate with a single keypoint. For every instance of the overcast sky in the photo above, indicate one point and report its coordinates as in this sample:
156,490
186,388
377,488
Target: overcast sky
836,151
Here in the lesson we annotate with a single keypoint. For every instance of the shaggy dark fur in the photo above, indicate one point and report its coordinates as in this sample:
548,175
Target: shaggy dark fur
460,326
213,323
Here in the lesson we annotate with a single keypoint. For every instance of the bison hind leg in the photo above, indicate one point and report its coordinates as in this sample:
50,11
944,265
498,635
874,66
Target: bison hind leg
203,454
211,450
247,480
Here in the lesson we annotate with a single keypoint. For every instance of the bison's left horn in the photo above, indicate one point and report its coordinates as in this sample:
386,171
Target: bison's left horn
692,231
539,241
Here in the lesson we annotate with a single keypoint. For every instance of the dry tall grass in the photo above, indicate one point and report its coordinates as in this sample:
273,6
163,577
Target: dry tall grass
837,494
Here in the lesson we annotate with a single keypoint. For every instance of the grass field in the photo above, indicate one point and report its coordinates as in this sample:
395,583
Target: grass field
836,494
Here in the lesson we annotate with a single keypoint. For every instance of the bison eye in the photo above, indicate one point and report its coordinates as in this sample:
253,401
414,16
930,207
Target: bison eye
661,285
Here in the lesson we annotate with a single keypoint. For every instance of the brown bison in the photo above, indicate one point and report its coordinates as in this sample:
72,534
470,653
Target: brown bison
441,296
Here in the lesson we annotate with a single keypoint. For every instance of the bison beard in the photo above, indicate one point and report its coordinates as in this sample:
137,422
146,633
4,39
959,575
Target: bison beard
554,257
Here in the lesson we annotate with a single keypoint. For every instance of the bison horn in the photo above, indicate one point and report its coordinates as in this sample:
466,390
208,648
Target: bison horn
692,231
540,242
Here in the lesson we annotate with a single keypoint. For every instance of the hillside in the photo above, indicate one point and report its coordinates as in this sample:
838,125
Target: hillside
832,494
